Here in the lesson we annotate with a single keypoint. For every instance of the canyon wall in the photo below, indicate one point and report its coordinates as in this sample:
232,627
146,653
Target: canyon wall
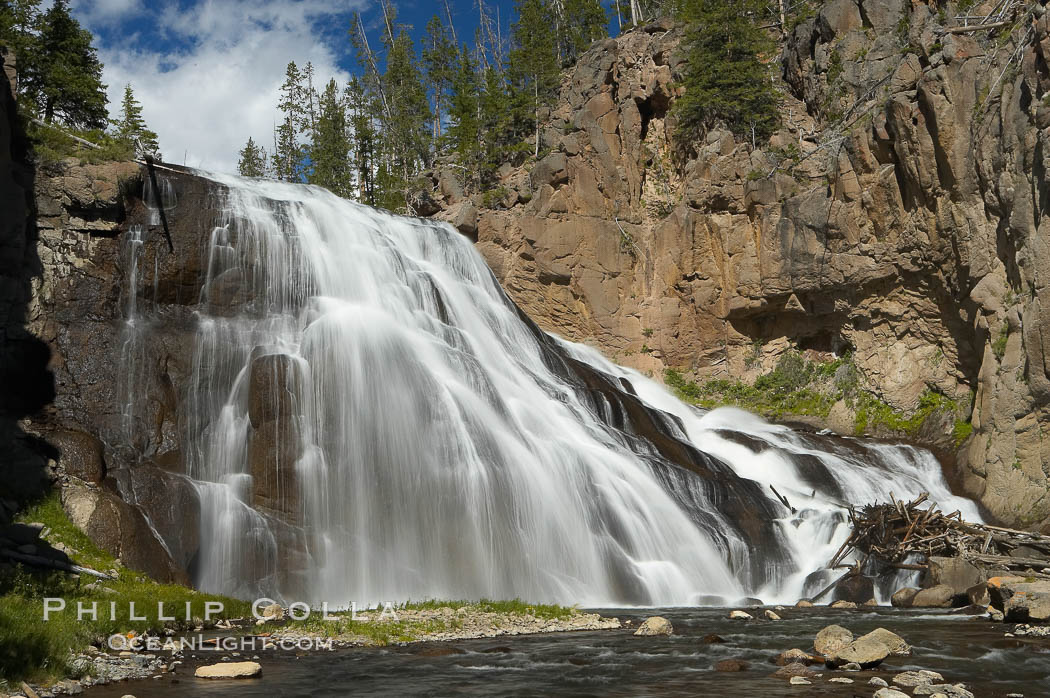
898,215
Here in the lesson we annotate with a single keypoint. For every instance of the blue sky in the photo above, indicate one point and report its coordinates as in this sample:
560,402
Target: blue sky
207,72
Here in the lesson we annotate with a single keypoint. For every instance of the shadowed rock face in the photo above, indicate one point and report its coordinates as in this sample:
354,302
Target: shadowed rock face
916,239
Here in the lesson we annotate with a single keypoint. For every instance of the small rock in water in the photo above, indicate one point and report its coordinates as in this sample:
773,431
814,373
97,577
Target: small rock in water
889,693
656,625
943,689
712,639
804,603
731,665
910,679
876,681
840,679
740,615
799,681
771,615
795,669
851,666
844,604
871,603
793,656
230,670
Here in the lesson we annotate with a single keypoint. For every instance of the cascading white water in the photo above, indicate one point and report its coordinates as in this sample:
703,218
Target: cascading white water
370,418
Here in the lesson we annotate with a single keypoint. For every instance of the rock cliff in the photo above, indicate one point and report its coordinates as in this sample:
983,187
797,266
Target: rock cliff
898,217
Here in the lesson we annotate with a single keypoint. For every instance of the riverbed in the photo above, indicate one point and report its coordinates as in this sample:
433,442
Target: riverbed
963,649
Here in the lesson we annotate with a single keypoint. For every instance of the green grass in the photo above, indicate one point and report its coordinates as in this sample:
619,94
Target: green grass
999,345
961,432
373,632
873,413
790,388
539,610
38,651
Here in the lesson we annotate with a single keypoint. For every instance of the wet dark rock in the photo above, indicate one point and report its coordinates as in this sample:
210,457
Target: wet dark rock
902,597
499,649
855,588
795,669
712,639
730,665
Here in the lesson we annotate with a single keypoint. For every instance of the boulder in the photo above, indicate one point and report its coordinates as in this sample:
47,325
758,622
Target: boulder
848,605
550,170
272,612
799,681
740,615
80,454
978,594
831,639
770,615
902,597
1021,598
121,530
956,572
463,216
854,588
655,625
804,603
940,596
229,670
871,649
730,665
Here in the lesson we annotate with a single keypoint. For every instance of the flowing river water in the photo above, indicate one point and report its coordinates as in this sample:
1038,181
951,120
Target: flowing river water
963,649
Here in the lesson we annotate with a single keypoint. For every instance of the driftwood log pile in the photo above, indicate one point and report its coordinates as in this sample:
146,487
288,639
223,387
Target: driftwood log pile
904,535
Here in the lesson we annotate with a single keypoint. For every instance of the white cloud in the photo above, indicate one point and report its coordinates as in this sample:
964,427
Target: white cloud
101,12
205,101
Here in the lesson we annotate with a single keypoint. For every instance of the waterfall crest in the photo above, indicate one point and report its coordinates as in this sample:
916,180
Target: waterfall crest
370,417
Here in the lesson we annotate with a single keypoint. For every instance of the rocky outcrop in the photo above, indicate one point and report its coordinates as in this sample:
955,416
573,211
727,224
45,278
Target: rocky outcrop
898,216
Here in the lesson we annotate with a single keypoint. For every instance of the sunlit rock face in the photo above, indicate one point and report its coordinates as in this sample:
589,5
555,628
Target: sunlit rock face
911,233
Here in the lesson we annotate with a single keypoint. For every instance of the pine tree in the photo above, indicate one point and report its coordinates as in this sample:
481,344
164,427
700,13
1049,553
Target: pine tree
61,72
359,110
252,162
533,64
18,23
583,22
289,155
405,134
725,78
439,66
330,150
464,113
498,134
131,127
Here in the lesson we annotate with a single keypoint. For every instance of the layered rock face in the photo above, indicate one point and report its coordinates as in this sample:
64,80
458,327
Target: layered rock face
898,215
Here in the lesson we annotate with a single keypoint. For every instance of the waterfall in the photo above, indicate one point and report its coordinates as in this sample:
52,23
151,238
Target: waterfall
369,417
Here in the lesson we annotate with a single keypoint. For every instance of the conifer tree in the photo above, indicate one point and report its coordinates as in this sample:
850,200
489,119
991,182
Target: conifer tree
61,72
330,150
583,22
405,131
131,127
288,153
725,78
252,162
363,140
464,113
18,23
499,136
533,64
439,66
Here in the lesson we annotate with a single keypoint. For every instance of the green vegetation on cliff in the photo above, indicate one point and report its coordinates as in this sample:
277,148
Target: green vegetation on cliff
797,386
34,650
